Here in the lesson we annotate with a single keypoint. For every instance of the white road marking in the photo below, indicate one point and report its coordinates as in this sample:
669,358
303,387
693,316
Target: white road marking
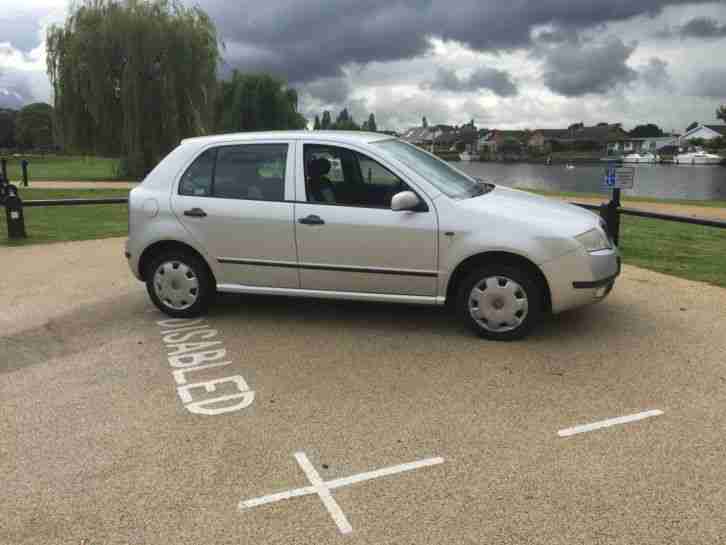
324,493
609,422
323,488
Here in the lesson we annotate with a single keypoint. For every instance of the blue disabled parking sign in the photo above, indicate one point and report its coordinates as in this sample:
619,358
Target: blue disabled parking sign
619,178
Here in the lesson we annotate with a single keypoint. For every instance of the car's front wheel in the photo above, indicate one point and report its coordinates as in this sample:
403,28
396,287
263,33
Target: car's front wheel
501,303
180,284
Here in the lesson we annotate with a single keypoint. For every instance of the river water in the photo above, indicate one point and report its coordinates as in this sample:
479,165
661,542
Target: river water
700,182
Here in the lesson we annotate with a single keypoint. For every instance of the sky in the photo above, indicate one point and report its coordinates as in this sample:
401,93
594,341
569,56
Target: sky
507,64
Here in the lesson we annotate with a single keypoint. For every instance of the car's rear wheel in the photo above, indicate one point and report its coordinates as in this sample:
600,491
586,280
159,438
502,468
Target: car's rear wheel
179,284
501,303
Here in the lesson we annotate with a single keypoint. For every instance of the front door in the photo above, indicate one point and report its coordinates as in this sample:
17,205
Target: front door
348,237
236,201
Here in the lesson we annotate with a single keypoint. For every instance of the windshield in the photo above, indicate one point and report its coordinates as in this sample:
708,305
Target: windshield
437,172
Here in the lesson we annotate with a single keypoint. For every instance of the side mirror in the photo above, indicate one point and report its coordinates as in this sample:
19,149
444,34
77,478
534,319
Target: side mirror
405,200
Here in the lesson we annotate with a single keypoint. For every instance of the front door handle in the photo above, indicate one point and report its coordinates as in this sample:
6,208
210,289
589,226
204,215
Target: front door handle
195,213
312,219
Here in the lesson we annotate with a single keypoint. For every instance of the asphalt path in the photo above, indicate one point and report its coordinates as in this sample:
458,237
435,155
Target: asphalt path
99,445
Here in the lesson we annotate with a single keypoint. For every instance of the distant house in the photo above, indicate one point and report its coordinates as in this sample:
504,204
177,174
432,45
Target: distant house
542,139
640,145
495,138
706,132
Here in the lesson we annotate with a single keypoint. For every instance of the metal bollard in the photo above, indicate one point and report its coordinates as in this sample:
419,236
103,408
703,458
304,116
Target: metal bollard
14,214
609,213
24,167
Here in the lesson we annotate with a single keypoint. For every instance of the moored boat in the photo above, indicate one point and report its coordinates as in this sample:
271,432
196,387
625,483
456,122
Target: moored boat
698,158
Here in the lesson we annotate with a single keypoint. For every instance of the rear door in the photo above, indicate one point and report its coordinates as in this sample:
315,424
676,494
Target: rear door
236,201
348,237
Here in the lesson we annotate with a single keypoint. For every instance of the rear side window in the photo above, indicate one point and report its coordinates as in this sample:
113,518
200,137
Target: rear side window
197,180
249,171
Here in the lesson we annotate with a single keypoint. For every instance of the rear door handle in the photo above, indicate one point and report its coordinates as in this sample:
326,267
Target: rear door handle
312,219
195,213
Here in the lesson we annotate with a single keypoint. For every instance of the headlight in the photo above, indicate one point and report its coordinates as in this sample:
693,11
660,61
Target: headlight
594,240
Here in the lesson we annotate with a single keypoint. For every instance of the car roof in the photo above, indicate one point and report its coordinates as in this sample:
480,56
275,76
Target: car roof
344,137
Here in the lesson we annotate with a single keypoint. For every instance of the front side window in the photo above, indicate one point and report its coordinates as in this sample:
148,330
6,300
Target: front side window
335,175
248,171
444,178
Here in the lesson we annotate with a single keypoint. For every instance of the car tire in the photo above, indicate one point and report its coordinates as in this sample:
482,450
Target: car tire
500,302
180,284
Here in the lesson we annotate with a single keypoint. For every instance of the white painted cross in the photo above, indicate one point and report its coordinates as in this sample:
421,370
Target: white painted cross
322,488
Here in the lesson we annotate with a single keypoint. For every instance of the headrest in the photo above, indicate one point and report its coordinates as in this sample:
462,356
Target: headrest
318,167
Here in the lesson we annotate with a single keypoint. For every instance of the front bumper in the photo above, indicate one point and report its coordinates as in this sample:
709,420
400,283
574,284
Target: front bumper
581,278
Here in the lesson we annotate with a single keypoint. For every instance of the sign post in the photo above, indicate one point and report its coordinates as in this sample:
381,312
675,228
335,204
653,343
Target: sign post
616,178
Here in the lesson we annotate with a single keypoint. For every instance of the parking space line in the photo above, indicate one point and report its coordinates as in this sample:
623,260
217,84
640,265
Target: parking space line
609,422
323,488
324,493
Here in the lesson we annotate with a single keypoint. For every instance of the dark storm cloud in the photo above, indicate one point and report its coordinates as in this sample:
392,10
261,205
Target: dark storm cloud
305,40
710,84
328,90
593,68
698,27
703,27
655,73
497,81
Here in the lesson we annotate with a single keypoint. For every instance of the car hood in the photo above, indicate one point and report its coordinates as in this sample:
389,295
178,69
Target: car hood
550,214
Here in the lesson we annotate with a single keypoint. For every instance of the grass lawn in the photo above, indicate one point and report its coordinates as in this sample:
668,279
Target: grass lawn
605,196
63,168
694,252
688,251
64,223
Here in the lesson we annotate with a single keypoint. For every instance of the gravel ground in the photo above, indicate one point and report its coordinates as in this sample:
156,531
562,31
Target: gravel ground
98,448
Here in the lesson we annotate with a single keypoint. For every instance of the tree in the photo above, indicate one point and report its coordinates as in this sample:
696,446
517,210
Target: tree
692,126
316,126
424,122
7,128
34,125
345,122
256,102
326,123
646,131
721,113
370,125
132,78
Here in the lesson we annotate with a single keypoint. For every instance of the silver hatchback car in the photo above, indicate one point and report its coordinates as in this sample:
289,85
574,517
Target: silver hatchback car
362,216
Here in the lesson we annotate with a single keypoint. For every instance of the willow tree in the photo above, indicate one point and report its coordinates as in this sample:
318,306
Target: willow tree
133,77
257,102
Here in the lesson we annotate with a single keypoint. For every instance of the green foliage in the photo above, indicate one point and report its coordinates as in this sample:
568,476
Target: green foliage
692,126
646,131
326,123
133,78
721,113
256,102
345,122
316,126
510,145
7,128
34,125
424,122
370,124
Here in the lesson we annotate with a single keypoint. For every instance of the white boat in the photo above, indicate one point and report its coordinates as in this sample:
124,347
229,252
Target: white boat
466,156
697,158
569,167
639,158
